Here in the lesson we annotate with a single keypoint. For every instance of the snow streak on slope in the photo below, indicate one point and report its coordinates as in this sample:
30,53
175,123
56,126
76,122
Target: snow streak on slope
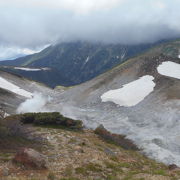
170,69
32,69
13,88
27,69
131,94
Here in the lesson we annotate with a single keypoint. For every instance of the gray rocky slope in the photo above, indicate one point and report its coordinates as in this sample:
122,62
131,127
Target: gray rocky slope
153,124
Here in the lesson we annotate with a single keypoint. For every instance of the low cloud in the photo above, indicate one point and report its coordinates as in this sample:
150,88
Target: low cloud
12,52
34,23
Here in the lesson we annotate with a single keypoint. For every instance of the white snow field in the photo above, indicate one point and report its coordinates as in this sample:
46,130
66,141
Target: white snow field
132,93
170,69
4,84
27,69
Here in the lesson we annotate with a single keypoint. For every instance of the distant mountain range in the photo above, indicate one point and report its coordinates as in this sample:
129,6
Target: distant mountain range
73,63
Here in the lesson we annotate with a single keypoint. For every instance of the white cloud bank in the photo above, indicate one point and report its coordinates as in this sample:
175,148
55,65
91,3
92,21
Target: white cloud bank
132,93
11,52
33,23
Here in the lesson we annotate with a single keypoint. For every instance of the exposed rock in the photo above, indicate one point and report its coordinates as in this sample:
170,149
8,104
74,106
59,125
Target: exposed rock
5,172
172,167
31,159
115,138
109,152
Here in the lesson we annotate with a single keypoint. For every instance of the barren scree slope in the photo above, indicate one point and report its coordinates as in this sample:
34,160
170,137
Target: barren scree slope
152,122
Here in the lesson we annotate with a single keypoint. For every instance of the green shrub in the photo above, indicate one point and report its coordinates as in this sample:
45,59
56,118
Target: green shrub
50,118
47,118
27,118
117,139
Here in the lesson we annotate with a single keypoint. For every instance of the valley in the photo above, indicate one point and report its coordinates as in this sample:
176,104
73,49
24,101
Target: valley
139,99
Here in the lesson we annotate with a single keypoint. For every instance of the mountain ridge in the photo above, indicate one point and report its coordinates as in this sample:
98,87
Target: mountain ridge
76,62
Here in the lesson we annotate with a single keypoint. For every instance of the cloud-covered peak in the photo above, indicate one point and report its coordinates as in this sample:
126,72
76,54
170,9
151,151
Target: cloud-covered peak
33,23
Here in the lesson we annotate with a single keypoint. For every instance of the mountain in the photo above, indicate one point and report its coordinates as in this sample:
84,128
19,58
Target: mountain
139,98
73,63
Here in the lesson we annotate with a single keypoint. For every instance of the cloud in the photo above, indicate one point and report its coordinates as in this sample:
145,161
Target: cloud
33,23
12,52
76,6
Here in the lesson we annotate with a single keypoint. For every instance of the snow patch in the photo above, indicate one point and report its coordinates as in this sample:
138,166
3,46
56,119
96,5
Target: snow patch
4,84
132,93
27,69
170,69
87,60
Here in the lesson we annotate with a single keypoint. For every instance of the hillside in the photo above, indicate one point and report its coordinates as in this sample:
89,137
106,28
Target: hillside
139,99
153,122
74,63
83,156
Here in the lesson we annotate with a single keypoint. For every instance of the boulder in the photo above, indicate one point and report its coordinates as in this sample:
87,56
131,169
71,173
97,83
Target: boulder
30,158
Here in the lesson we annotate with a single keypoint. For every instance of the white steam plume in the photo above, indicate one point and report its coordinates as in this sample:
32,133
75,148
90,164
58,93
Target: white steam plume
35,104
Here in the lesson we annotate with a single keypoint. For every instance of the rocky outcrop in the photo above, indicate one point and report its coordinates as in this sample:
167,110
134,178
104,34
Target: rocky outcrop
115,138
30,159
172,167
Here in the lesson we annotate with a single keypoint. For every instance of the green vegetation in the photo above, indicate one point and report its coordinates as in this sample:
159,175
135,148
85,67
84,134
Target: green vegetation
115,138
91,167
50,119
51,176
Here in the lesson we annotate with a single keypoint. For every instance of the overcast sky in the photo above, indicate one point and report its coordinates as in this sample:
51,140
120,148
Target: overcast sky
35,23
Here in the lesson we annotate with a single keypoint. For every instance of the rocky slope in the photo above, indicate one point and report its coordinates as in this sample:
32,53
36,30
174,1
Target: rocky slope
10,100
83,156
153,124
74,63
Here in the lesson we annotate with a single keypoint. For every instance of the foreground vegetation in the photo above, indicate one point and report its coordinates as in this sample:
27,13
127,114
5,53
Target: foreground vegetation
78,155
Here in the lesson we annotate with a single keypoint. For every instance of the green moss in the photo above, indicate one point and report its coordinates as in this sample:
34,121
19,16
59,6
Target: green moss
51,176
91,167
114,166
70,178
81,170
160,172
111,177
94,167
